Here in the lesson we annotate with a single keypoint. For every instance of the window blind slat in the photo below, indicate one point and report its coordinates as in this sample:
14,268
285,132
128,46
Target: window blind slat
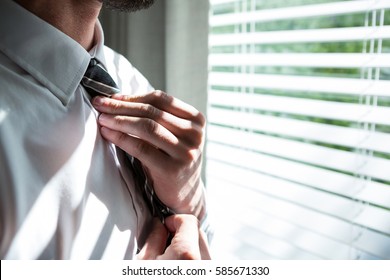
302,36
323,202
247,237
325,133
297,215
298,135
301,239
248,240
304,152
303,107
336,8
302,83
338,183
303,217
217,2
337,60
309,241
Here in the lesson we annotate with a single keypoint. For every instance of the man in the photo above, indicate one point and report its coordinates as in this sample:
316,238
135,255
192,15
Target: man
67,190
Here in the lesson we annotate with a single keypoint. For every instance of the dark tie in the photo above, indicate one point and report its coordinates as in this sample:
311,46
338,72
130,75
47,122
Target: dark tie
97,81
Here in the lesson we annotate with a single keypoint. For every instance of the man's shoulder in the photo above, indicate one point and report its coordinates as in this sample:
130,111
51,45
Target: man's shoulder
12,76
8,65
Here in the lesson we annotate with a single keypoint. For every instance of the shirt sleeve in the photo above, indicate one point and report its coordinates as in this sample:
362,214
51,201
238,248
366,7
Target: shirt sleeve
207,227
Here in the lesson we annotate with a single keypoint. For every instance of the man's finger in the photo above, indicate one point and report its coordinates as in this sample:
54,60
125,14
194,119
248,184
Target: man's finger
187,227
182,128
145,152
147,130
185,242
155,243
167,103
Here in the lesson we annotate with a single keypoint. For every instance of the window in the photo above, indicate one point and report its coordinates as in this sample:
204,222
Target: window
298,150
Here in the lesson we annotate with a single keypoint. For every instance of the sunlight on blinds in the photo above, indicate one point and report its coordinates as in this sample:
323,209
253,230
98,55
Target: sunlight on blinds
298,139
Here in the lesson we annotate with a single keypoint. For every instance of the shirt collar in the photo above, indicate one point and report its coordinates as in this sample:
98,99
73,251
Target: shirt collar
50,56
98,50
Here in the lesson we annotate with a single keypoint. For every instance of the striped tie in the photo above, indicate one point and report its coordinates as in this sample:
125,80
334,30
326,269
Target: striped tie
97,81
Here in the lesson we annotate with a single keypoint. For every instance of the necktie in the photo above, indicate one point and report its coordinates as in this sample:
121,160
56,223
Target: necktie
97,81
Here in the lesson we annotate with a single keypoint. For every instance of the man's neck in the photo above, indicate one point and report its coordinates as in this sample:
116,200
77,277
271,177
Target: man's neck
75,18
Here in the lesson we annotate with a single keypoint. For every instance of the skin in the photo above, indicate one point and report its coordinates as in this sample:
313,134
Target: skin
167,136
188,243
164,133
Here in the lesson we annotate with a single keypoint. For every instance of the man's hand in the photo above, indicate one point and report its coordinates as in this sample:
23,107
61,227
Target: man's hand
167,136
188,241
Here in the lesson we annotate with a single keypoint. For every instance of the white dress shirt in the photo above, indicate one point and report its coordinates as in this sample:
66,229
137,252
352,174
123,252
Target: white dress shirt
64,191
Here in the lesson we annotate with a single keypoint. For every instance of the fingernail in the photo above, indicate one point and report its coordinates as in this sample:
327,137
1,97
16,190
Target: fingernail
104,130
98,101
103,118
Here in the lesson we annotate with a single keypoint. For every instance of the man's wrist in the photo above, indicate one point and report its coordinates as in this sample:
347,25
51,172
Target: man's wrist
195,203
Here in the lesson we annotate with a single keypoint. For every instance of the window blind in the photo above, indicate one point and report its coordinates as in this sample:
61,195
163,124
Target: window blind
298,138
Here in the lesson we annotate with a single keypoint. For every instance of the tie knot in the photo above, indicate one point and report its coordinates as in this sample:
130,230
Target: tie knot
97,81
92,62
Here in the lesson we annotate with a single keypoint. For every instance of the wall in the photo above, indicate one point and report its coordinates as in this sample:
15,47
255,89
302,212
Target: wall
167,43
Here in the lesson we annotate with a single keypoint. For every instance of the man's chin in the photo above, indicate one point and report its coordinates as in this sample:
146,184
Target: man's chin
127,5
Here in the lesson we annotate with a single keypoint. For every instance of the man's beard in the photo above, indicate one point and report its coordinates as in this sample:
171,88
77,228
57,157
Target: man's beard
127,5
